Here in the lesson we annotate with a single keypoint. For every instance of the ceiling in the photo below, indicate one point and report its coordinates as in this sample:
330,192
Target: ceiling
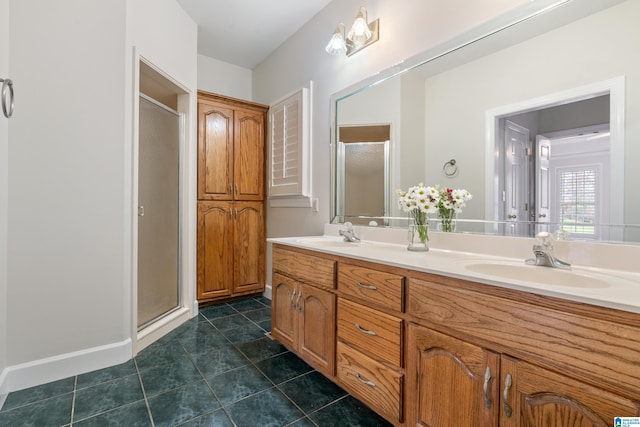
245,32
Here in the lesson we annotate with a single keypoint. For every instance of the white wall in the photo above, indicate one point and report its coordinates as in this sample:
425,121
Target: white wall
70,190
4,165
506,79
223,78
405,30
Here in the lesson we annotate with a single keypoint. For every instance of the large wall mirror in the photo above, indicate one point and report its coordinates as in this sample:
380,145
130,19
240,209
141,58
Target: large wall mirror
539,110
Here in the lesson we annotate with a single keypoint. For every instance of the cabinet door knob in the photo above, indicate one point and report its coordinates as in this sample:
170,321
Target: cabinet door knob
505,395
512,216
365,331
487,378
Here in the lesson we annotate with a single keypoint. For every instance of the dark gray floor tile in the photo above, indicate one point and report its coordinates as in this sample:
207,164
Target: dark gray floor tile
133,415
236,384
182,404
52,412
265,325
106,396
168,354
204,342
283,367
261,349
107,374
348,412
244,334
245,305
311,391
259,315
216,311
163,378
304,422
33,394
230,322
267,409
219,360
263,300
217,418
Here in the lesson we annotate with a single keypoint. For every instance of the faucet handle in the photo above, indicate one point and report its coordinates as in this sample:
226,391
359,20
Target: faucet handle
348,225
544,238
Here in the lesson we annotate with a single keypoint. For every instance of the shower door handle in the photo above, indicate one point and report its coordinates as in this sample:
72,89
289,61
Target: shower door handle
140,210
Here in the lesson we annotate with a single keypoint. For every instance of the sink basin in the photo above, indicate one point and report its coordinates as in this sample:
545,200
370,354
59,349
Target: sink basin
537,274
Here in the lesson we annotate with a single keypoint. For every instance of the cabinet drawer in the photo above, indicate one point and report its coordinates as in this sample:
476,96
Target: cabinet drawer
371,285
371,382
370,331
306,268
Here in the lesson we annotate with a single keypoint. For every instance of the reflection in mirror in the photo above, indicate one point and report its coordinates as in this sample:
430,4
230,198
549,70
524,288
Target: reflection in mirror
363,173
580,74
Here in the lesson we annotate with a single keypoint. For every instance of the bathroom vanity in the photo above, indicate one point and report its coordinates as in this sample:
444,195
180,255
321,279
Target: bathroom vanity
447,338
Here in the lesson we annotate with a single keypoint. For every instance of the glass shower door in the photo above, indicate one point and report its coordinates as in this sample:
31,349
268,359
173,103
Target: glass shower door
158,211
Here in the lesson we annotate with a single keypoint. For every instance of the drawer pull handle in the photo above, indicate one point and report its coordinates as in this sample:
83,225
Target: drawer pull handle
364,331
487,378
505,395
298,301
292,296
363,381
360,285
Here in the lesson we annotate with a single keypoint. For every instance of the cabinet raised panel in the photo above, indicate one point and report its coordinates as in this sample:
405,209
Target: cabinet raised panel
450,383
230,249
248,155
539,397
215,152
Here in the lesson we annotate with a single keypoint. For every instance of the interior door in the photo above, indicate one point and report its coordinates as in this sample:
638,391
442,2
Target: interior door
158,211
543,182
516,142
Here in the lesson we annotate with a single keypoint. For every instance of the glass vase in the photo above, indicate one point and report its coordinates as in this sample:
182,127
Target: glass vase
418,237
447,222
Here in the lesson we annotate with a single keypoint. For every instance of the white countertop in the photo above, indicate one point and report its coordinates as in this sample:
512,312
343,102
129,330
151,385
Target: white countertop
597,286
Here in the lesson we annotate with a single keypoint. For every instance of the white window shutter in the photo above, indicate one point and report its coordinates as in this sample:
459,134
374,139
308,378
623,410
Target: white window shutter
288,142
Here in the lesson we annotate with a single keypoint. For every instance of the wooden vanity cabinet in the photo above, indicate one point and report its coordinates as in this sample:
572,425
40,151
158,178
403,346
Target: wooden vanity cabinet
478,359
303,307
369,349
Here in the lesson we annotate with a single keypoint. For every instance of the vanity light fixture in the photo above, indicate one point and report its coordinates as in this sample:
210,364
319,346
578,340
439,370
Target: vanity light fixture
361,35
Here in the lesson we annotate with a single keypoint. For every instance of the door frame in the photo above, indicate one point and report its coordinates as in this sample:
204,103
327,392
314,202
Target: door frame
188,306
615,88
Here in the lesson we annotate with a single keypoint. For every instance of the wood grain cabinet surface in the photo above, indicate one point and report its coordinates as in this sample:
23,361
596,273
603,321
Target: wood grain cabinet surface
231,214
434,351
303,312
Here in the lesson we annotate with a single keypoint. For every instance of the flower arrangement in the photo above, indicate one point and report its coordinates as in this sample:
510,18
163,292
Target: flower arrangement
418,201
450,202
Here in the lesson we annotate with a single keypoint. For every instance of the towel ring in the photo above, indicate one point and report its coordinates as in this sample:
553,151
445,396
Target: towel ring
450,168
7,84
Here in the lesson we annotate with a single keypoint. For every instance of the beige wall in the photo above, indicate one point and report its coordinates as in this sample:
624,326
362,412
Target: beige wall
223,78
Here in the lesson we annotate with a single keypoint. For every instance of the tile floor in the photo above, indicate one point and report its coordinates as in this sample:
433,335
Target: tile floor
218,369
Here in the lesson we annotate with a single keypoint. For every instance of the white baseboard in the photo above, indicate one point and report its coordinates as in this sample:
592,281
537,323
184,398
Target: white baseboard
267,291
160,328
18,377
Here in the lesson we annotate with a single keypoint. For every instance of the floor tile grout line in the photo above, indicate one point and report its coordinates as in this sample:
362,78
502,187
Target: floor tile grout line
73,400
144,393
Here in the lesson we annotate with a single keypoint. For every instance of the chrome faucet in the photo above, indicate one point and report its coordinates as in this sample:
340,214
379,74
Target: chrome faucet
543,250
349,234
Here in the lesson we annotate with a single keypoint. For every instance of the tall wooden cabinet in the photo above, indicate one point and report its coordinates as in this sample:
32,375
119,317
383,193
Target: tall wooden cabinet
231,218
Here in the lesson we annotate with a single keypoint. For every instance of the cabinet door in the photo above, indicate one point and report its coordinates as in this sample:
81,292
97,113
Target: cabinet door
248,155
317,336
249,244
538,397
215,151
284,316
215,250
446,381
